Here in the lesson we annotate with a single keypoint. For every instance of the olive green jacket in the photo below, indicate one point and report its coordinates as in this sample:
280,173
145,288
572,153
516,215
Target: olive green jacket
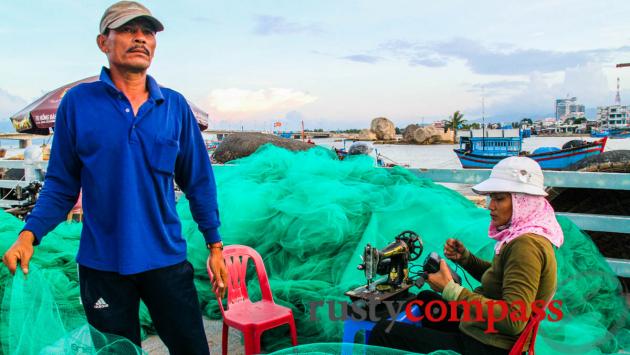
524,270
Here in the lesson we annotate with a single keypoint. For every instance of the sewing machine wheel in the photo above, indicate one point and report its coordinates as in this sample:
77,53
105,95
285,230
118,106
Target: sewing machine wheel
414,242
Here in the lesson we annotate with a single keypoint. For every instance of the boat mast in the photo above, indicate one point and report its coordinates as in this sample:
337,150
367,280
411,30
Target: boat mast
621,65
618,96
483,119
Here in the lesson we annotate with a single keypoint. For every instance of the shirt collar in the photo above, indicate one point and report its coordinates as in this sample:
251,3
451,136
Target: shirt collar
155,93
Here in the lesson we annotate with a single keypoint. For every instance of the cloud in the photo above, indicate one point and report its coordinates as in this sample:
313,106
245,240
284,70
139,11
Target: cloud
203,19
484,60
428,62
241,101
498,85
499,59
294,116
413,53
498,88
273,25
9,104
363,58
536,96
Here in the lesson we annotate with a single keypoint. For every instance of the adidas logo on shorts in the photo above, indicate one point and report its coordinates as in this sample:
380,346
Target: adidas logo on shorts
100,304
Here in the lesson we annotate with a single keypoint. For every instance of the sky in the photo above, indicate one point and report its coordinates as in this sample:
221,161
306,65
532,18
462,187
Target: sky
338,64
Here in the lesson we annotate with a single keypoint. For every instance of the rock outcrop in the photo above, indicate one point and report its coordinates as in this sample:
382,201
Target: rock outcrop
383,128
409,132
240,145
367,135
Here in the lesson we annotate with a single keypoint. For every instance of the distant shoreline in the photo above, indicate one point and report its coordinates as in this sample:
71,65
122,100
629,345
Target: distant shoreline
401,142
563,135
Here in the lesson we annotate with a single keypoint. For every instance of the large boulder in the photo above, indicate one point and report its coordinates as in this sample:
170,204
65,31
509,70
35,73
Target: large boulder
436,138
383,128
240,145
617,161
367,135
426,135
409,131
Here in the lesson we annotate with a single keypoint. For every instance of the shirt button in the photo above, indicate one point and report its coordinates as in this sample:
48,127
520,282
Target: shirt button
127,110
134,126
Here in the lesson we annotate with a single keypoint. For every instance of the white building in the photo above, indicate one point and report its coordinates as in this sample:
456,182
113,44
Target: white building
615,116
568,109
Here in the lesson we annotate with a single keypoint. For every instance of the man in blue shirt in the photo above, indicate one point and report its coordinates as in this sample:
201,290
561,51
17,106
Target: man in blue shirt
125,140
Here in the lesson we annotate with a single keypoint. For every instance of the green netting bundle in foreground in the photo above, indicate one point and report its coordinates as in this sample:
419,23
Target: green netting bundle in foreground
309,216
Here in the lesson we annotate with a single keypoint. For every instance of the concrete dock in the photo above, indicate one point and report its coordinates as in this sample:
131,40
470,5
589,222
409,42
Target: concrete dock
154,346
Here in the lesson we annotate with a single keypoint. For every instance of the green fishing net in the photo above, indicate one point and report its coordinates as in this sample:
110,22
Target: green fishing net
346,349
310,215
41,313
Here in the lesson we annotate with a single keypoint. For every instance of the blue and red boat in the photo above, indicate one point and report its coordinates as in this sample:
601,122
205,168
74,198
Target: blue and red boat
613,133
485,152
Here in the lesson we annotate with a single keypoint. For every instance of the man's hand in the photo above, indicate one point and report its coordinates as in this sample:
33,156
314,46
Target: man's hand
219,271
22,251
454,250
440,279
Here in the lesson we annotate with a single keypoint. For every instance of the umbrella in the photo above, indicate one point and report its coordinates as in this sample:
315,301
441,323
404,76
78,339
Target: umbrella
39,116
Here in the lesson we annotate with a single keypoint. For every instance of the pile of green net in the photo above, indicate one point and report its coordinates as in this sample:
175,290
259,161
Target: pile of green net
310,215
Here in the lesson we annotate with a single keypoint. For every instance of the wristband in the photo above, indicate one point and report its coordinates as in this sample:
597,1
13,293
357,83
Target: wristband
217,245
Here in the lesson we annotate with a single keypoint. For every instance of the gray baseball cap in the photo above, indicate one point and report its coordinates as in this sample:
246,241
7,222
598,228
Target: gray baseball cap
124,11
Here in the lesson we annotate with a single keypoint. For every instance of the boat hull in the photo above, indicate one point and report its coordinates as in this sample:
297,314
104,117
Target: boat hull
620,135
555,160
616,133
599,134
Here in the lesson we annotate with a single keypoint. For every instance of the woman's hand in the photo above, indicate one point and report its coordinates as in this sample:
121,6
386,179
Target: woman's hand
454,250
440,279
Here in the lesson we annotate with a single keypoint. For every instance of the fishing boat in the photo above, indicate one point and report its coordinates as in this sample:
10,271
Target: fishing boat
612,133
283,134
482,149
596,133
212,145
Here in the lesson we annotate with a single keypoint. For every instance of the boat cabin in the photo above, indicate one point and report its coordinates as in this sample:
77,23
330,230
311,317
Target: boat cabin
495,142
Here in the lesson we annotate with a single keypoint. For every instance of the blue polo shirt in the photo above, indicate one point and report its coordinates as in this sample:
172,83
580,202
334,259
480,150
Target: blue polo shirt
126,166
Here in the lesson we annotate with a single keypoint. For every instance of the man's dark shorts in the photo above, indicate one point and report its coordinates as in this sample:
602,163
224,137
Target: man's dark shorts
112,301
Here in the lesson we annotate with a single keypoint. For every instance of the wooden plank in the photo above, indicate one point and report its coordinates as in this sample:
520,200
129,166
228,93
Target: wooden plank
15,135
9,184
599,223
458,176
13,203
20,164
613,181
621,267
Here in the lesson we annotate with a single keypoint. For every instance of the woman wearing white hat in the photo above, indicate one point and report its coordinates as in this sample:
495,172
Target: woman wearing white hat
523,270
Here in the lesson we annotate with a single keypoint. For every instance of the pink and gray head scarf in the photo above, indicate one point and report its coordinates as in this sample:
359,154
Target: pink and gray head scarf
530,214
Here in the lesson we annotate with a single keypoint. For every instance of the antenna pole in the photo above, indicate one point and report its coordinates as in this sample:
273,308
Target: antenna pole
483,119
618,96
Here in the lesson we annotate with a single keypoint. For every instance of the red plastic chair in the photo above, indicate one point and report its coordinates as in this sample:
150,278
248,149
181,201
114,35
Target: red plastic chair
77,210
531,328
251,318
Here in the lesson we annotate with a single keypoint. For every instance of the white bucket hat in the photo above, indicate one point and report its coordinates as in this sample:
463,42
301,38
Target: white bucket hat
514,174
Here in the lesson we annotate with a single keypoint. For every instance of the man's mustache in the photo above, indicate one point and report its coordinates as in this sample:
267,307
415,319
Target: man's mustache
141,48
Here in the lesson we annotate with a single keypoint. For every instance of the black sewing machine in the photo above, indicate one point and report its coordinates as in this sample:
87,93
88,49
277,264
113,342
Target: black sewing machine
393,261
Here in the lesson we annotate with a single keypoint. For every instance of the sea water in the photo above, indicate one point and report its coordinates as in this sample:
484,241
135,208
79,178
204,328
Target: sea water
441,156
437,156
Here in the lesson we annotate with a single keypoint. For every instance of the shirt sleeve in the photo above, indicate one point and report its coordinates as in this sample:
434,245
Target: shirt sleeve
194,176
524,261
63,177
475,266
